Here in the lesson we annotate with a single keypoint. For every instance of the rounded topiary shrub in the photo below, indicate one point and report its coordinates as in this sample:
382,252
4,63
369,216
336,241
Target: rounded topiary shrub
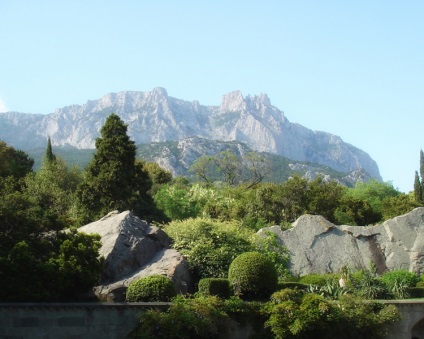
253,276
152,288
219,287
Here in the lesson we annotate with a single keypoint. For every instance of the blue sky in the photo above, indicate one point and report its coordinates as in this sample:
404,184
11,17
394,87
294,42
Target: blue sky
351,68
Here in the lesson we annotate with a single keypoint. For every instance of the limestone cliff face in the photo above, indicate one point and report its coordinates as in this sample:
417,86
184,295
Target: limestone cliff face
155,117
318,246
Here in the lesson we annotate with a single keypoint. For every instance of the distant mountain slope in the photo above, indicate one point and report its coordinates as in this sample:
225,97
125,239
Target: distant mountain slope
156,117
178,156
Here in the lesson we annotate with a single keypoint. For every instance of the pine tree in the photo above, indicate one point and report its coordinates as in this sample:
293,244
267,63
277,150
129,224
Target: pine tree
49,152
418,192
113,179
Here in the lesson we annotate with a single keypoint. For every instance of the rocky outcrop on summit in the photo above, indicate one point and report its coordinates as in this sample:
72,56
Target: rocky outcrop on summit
156,117
318,246
133,249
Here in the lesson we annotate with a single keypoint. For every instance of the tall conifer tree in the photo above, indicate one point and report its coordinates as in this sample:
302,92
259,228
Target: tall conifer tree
421,166
49,152
114,181
418,192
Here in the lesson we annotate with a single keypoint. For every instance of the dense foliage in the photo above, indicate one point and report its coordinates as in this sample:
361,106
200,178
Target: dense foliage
298,315
219,287
38,260
210,246
200,318
151,288
289,314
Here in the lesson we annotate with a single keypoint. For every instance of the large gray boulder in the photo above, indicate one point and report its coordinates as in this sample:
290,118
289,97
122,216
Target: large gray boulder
133,249
318,246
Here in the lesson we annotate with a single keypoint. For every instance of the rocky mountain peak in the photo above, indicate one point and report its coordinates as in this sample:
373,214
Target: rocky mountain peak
155,117
261,100
232,102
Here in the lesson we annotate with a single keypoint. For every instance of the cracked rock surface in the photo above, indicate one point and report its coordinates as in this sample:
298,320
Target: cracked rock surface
318,246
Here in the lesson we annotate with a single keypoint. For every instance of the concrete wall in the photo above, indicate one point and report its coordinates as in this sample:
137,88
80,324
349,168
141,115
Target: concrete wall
412,323
117,320
79,320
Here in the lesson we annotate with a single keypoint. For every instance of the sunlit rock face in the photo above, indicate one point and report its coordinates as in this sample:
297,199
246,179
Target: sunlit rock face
133,249
318,246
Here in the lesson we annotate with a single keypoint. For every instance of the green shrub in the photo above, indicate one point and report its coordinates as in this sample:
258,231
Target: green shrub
253,276
318,279
420,284
409,278
292,285
152,288
219,287
209,245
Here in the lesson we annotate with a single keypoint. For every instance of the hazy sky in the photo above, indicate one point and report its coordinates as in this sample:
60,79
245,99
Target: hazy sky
351,68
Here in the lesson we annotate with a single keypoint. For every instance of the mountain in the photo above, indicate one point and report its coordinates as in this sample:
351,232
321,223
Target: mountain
156,117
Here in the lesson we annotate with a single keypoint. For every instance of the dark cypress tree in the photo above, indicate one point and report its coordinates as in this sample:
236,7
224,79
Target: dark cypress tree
421,166
418,191
113,179
49,152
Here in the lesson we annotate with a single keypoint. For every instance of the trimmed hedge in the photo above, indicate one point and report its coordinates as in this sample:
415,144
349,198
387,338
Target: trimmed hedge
219,287
152,288
253,276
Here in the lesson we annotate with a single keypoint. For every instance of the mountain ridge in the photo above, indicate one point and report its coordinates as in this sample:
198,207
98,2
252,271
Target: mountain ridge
156,117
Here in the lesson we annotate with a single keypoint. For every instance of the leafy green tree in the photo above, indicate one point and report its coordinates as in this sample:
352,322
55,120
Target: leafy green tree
175,202
230,167
158,176
202,168
58,267
14,162
114,181
53,188
354,211
394,206
255,169
374,192
324,197
37,262
294,197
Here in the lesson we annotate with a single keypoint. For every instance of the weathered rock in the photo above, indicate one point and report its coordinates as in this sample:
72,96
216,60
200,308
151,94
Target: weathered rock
133,249
318,246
